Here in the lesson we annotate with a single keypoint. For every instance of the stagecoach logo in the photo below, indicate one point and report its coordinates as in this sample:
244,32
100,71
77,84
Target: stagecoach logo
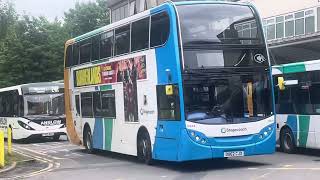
50,123
259,58
147,112
226,130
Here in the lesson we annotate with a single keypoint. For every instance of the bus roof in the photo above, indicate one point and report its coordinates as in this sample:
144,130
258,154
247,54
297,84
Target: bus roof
140,15
40,84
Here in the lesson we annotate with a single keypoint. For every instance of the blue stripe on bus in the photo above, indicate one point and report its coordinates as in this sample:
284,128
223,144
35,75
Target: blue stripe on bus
98,134
168,57
292,122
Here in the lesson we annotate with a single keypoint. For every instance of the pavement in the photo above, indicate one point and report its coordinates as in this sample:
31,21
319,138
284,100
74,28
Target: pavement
72,162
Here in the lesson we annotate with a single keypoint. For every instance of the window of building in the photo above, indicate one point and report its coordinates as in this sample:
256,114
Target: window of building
85,51
279,27
132,8
271,29
95,48
86,105
106,44
160,29
140,34
299,23
122,40
289,26
310,21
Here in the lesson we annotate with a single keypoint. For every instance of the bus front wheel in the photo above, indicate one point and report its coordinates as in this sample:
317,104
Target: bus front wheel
88,141
144,149
287,141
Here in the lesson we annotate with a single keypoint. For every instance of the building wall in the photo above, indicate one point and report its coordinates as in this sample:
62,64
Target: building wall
269,8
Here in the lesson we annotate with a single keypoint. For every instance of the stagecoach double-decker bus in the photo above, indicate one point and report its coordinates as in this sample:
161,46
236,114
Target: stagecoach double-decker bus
181,81
33,110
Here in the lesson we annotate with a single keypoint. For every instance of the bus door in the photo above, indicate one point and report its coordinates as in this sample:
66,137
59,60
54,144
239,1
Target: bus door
76,113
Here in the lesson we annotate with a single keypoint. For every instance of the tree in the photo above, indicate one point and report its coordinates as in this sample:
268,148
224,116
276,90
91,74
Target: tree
86,17
33,52
32,49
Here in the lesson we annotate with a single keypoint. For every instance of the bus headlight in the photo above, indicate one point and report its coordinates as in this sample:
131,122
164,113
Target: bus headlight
25,126
198,137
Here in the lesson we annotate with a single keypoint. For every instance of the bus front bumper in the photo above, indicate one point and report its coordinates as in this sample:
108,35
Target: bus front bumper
191,150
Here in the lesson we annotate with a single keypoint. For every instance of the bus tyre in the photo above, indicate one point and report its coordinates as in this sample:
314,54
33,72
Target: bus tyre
56,137
144,149
287,143
88,141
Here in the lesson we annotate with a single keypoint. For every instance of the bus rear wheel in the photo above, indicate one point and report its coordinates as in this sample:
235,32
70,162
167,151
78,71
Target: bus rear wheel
88,141
287,143
144,149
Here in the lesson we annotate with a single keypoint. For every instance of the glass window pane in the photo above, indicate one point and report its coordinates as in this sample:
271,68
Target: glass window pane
75,54
289,17
299,14
310,24
95,47
106,45
132,7
85,51
122,40
280,30
271,31
69,56
318,19
289,28
86,104
279,19
140,34
108,105
160,29
299,26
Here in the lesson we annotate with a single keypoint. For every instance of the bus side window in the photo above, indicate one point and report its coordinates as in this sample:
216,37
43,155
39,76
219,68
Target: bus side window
75,58
77,99
168,105
122,40
140,34
85,51
86,105
160,29
69,56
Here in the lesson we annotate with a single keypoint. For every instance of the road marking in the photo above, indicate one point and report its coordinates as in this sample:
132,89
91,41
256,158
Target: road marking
292,168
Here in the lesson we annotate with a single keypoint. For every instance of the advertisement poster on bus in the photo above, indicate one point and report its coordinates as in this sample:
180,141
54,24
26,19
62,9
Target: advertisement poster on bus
127,71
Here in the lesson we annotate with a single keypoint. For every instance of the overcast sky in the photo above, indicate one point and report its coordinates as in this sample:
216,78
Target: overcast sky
47,8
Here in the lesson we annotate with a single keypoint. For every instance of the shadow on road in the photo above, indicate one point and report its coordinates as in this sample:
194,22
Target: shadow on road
189,166
39,140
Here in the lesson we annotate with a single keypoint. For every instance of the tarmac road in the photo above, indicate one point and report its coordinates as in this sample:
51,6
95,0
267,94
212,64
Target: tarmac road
72,162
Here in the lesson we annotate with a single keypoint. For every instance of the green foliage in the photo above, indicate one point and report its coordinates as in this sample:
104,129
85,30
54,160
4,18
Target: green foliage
86,17
32,49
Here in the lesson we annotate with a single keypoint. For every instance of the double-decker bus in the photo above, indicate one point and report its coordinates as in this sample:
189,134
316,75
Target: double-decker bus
297,99
33,110
181,81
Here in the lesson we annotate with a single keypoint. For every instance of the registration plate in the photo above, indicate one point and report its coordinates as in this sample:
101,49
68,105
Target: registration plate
48,134
233,153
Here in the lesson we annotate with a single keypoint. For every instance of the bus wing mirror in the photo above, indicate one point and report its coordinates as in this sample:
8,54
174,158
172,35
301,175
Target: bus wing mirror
281,83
